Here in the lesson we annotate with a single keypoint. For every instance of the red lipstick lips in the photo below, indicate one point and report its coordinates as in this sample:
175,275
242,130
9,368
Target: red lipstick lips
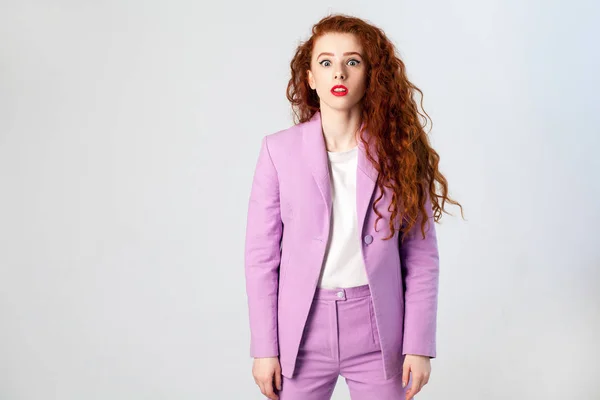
339,92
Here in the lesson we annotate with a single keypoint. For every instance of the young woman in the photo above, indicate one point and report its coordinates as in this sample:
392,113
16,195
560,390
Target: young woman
336,284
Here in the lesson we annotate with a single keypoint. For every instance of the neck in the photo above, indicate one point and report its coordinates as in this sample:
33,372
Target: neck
340,128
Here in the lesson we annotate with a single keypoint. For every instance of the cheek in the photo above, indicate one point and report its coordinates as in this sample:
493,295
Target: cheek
361,87
318,83
361,82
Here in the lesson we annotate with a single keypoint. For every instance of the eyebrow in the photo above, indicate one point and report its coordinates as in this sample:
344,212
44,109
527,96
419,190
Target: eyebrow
346,54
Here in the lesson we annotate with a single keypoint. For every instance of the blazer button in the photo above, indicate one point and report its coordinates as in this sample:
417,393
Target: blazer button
368,239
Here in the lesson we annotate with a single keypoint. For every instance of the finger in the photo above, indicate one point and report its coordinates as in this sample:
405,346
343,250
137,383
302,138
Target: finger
269,389
278,379
405,375
416,385
425,380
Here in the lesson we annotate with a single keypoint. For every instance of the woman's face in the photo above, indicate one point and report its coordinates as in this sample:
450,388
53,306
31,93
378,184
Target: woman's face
337,59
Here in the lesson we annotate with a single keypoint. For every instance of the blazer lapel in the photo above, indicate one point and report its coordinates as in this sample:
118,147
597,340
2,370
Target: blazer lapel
315,153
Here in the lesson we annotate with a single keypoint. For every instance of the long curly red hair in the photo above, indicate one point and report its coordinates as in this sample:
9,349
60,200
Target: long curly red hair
408,164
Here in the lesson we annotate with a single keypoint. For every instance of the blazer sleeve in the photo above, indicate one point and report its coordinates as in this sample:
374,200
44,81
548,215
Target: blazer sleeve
420,264
262,256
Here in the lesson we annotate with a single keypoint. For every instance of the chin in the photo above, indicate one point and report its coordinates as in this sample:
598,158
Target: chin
341,104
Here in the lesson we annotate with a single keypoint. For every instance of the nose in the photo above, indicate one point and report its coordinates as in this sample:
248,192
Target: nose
340,75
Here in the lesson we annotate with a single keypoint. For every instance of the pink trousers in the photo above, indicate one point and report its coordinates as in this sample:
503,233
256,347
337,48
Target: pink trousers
341,338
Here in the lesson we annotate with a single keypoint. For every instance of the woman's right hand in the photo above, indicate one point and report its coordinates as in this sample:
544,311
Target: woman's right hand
264,369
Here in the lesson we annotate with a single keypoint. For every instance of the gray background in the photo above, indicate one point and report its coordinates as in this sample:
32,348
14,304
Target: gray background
129,131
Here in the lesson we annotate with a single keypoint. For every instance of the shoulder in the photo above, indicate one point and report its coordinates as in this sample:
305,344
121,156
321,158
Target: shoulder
282,142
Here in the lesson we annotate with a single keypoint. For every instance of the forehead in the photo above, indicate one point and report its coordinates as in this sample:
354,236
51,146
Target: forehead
337,43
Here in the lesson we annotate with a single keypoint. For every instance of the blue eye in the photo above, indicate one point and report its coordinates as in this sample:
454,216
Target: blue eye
349,61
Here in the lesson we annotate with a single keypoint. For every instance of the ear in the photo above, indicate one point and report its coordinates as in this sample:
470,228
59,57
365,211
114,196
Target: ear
310,79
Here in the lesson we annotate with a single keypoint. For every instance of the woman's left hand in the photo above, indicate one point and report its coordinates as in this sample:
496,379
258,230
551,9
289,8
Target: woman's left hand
420,367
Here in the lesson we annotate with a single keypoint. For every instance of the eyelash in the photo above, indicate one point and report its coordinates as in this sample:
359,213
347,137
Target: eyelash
357,62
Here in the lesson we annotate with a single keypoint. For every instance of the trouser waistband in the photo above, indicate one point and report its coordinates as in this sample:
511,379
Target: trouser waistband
342,293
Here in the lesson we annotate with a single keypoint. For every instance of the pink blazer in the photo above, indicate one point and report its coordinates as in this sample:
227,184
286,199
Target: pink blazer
289,214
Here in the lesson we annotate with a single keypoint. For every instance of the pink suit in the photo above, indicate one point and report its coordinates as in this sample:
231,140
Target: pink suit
290,206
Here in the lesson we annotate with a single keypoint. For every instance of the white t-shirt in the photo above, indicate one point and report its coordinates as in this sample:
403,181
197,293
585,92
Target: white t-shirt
343,266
